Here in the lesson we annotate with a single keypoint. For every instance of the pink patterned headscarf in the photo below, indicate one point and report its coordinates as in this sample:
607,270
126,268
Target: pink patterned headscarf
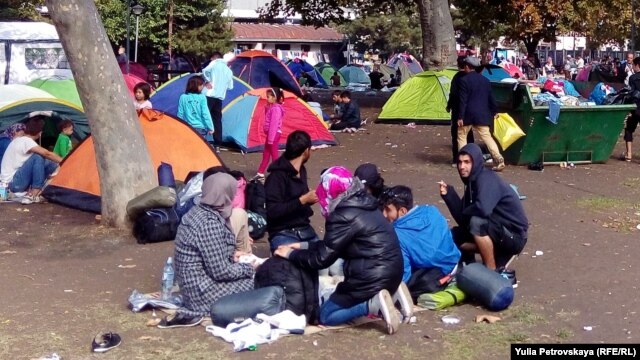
333,182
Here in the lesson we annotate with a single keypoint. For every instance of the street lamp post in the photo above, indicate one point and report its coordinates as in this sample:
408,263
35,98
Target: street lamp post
137,10
128,35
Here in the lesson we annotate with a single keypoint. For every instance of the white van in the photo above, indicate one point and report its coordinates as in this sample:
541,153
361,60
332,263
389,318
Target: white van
29,51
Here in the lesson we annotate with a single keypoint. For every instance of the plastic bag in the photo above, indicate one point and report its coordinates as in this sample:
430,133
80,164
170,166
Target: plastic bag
139,301
506,130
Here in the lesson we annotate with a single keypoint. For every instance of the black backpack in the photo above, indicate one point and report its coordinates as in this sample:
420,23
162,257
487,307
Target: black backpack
257,225
300,285
156,225
256,198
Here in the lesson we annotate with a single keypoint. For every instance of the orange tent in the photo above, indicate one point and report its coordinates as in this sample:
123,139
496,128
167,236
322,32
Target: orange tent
168,139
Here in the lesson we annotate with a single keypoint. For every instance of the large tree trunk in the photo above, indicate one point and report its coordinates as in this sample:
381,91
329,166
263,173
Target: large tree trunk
124,165
438,36
531,45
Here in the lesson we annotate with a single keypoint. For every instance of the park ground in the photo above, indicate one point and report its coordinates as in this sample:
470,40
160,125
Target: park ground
66,278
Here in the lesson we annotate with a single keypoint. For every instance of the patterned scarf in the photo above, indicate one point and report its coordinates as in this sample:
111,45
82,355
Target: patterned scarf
333,182
12,130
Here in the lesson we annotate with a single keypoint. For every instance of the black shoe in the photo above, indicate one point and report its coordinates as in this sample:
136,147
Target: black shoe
179,320
510,275
105,342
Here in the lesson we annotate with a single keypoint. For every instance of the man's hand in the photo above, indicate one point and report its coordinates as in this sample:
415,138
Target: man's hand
309,198
208,86
460,123
443,187
283,251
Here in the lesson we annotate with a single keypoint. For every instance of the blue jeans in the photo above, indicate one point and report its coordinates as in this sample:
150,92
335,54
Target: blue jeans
286,237
33,173
205,134
332,314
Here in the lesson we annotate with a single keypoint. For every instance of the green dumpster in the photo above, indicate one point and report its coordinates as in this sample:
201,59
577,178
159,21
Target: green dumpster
584,134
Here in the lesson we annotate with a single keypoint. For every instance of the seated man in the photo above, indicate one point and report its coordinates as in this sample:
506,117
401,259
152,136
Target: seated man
26,166
429,253
490,217
206,259
337,107
350,114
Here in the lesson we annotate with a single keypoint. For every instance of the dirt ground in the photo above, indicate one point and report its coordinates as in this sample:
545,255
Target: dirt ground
66,278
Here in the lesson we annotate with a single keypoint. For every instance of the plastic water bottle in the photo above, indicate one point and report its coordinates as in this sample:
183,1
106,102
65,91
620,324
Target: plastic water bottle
167,279
4,191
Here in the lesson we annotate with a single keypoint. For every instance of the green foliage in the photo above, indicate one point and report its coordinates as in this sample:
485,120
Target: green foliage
198,25
387,33
16,10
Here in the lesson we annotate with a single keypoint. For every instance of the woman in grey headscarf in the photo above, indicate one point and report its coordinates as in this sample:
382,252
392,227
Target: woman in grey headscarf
206,265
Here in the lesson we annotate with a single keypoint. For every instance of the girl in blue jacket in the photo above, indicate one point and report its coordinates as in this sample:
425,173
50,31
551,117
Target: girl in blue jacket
193,109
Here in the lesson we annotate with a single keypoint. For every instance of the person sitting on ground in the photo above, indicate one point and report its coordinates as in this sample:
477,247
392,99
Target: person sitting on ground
430,255
337,106
350,120
288,196
206,260
490,217
357,232
14,131
63,144
393,82
370,176
335,79
26,166
142,93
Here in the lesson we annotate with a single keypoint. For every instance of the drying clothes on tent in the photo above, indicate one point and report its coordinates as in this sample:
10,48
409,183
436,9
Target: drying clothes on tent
264,329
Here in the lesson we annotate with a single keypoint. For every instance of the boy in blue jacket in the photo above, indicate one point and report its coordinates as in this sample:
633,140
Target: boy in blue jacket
429,253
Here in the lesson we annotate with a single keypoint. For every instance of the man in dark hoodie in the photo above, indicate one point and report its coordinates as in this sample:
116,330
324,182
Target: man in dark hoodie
288,197
490,217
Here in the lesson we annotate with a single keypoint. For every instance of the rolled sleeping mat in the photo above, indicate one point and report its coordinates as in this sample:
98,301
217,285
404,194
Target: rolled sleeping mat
158,197
486,286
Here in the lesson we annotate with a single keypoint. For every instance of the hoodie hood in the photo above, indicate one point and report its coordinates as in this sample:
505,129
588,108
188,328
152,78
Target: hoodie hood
475,152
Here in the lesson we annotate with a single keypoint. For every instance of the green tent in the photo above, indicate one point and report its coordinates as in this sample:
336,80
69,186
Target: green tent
327,70
61,89
20,102
423,98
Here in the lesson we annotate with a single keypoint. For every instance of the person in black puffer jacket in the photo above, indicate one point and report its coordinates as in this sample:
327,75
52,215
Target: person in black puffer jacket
357,232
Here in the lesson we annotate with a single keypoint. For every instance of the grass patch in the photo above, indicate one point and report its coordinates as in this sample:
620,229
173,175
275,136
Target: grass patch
602,203
564,334
632,182
493,340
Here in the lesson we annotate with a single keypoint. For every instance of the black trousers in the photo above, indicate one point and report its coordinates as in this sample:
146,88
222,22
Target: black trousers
630,127
454,139
215,108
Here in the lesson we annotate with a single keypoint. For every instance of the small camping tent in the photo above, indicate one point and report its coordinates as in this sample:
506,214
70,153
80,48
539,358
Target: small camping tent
494,72
261,69
18,101
327,70
354,74
167,96
31,50
422,98
168,139
410,62
297,68
243,119
513,70
61,89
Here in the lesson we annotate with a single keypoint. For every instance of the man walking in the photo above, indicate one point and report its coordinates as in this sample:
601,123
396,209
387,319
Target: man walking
477,110
219,79
453,106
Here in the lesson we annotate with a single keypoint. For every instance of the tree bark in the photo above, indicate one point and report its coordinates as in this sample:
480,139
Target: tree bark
438,37
124,165
531,45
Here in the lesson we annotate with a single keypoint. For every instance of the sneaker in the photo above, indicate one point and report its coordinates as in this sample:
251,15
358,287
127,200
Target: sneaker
179,320
510,275
500,165
217,148
403,302
17,195
258,177
105,342
30,199
381,305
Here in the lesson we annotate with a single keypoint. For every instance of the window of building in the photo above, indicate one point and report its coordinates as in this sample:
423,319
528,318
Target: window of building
283,47
305,48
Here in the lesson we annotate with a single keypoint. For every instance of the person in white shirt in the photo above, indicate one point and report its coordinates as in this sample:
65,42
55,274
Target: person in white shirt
219,79
26,165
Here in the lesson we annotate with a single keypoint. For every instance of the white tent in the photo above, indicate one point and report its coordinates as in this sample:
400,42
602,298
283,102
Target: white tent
29,51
